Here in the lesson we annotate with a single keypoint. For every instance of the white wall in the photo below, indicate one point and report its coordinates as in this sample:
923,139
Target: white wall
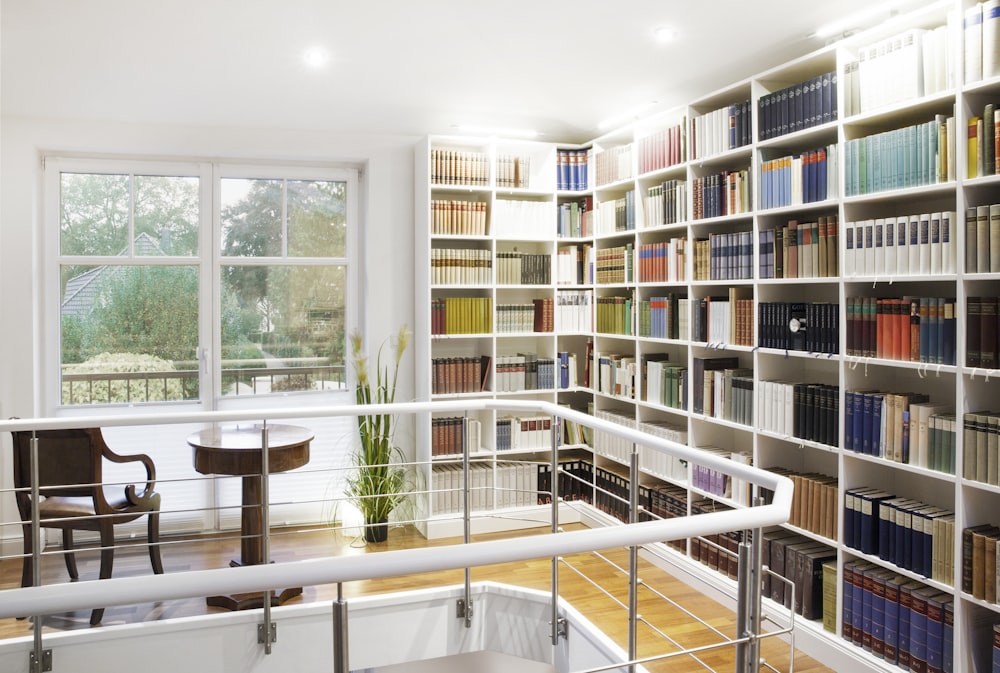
387,195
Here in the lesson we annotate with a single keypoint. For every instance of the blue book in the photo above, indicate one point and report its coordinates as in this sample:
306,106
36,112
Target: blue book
879,578
857,600
891,617
935,632
948,638
867,602
870,503
918,627
847,603
905,614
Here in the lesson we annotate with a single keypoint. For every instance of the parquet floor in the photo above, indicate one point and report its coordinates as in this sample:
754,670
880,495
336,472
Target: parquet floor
604,611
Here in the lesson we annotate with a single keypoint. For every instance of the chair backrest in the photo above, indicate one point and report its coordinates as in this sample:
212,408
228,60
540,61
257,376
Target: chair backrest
69,461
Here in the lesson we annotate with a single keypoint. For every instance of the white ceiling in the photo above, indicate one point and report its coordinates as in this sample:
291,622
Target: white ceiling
410,68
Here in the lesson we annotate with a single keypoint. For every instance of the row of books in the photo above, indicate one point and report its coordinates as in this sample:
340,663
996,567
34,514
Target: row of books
513,171
663,317
666,383
491,486
519,218
459,374
668,501
716,482
900,68
903,622
538,316
523,268
721,194
903,531
923,154
666,203
461,266
568,373
661,463
523,371
814,501
721,130
981,26
800,178
663,262
461,315
904,245
616,375
458,218
800,249
576,218
572,433
516,433
913,329
725,319
575,480
612,164
729,395
897,427
700,366
800,561
574,312
459,167
614,265
573,264
610,445
614,315
719,552
451,435
980,440
979,561
809,411
667,147
982,143
797,107
611,494
982,239
724,256
572,169
797,326
616,214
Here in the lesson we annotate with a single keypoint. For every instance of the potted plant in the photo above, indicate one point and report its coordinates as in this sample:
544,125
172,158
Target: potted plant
380,482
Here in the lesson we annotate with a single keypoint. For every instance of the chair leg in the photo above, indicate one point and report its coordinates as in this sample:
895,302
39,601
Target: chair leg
68,554
153,537
107,563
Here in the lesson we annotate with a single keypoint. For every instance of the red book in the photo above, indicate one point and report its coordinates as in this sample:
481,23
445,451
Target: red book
881,331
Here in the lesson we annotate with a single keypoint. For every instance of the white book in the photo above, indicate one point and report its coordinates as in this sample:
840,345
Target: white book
924,241
879,250
947,243
870,247
889,243
991,38
973,33
985,236
913,245
848,249
935,243
902,254
919,436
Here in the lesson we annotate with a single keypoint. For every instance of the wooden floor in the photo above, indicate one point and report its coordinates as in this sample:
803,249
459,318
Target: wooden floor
659,617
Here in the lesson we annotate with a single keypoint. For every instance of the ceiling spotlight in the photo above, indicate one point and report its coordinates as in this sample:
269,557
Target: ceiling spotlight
315,57
664,34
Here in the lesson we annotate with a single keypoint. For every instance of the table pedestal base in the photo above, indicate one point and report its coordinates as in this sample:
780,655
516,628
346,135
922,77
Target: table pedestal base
252,600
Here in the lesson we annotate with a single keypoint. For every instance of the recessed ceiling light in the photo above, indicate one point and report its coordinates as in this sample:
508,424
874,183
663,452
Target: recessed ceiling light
664,34
316,57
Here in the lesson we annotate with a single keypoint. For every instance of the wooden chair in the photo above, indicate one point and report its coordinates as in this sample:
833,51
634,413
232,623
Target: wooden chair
74,498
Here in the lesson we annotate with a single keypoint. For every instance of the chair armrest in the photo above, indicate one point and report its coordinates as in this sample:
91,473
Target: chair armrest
131,494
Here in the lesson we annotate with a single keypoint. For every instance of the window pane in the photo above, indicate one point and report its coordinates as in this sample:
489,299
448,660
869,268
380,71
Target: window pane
93,219
130,334
282,328
317,218
251,217
166,215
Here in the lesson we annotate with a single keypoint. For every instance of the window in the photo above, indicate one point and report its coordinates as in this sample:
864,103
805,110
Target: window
199,286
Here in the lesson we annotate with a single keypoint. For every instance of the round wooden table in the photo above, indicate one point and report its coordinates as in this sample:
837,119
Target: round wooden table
236,450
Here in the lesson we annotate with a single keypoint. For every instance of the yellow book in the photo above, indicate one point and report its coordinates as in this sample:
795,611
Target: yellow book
972,153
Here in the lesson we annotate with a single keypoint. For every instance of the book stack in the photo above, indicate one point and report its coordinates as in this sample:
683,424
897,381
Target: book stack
572,170
611,495
982,236
449,436
513,171
667,147
979,561
571,433
523,371
800,249
614,265
666,203
659,317
571,264
504,485
730,256
721,194
538,316
461,266
609,445
800,178
729,395
661,463
616,215
663,262
667,501
718,483
913,329
719,552
459,167
521,268
914,156
902,245
461,315
901,427
613,164
522,219
614,315
666,382
901,68
980,439
721,130
814,501
700,366
616,375
800,561
797,107
458,218
525,432
812,327
575,481
808,411
727,320
573,311
898,620
450,376
576,218
981,28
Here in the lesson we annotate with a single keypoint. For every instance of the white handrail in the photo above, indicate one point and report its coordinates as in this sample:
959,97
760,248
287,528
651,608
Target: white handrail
131,590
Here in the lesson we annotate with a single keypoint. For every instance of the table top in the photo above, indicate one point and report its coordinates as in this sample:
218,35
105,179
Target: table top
236,449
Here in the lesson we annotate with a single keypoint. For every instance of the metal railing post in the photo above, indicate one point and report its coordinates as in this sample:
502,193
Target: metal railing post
554,491
41,660
748,608
466,518
267,632
633,557
756,583
341,656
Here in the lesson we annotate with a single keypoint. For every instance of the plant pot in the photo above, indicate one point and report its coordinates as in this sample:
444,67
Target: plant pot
376,531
